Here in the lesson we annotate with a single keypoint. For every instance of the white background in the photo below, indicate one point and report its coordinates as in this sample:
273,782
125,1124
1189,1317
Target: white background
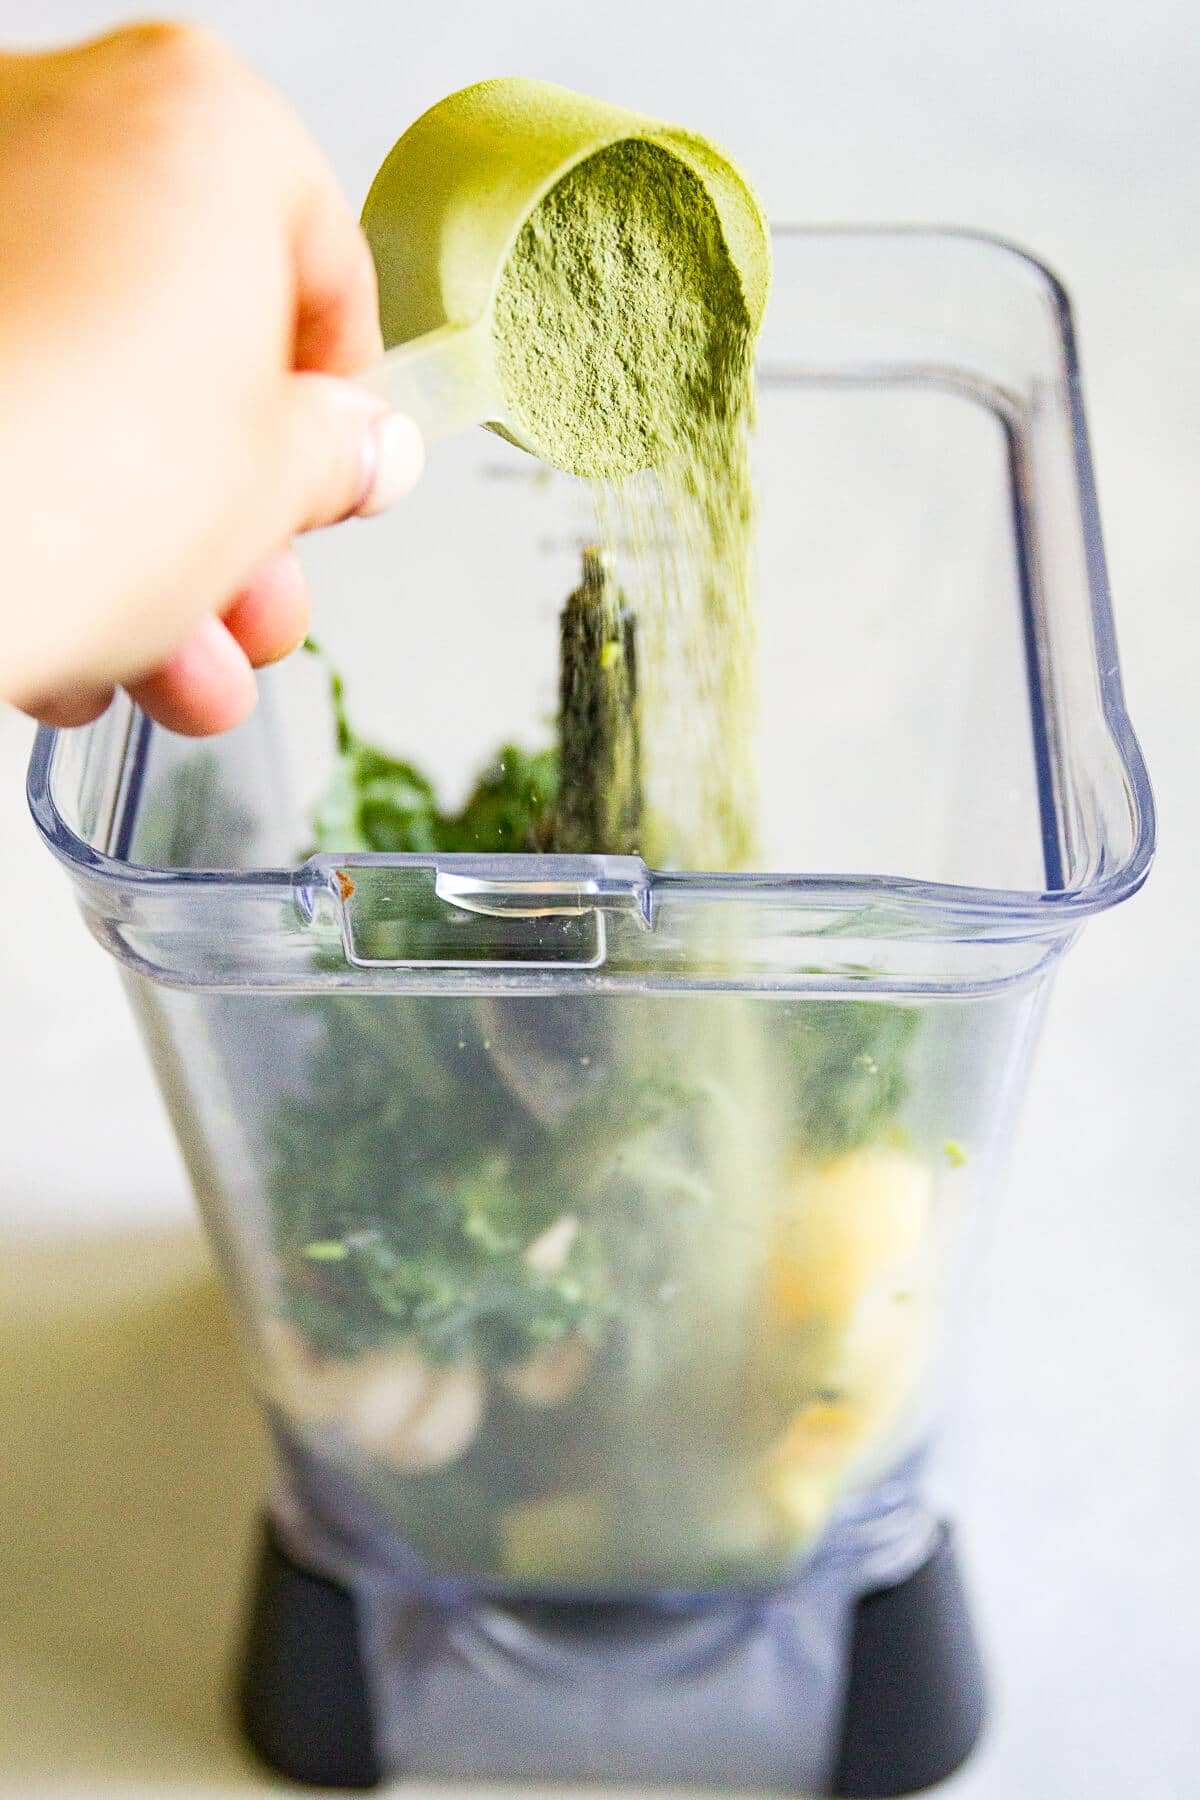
130,1458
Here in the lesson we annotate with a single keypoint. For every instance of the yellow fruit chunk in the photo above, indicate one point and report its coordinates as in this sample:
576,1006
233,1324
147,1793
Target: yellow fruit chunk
821,1436
849,1295
802,1499
876,1377
884,1348
847,1223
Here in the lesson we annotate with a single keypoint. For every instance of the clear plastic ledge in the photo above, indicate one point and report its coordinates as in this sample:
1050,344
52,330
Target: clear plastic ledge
455,912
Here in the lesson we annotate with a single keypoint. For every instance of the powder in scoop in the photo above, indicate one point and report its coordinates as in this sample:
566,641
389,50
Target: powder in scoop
621,324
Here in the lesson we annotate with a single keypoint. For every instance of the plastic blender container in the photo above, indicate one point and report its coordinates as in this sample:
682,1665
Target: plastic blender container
764,1113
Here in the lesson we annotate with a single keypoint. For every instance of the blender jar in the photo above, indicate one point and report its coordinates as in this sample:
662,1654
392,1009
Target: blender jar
597,1233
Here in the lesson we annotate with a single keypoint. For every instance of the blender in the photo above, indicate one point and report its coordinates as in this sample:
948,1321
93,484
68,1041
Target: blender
601,1236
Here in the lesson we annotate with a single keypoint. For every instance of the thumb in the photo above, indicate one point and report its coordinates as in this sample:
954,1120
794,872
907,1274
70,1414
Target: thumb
343,452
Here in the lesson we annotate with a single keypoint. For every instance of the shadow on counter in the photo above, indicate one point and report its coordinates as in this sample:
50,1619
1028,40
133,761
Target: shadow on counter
134,1466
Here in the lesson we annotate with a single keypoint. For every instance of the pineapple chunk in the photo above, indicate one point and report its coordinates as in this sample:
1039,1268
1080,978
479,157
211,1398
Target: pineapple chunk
850,1222
802,1499
820,1437
848,1304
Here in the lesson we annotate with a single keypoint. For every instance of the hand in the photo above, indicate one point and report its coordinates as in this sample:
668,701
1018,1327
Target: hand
182,286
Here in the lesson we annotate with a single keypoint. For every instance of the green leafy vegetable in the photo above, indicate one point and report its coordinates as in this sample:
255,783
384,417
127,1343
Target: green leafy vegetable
375,802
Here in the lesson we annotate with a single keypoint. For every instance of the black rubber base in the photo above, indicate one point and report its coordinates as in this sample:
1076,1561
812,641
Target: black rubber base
914,1700
303,1693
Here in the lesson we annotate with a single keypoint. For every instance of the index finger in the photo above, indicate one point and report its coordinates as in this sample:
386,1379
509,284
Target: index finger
337,304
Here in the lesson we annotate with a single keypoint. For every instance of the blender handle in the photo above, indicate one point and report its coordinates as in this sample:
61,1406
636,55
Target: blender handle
445,381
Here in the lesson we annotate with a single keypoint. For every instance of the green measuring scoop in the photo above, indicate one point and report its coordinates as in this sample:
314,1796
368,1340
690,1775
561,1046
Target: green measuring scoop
444,213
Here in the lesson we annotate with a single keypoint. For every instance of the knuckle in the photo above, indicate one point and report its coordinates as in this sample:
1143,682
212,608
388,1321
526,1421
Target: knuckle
170,41
176,88
172,61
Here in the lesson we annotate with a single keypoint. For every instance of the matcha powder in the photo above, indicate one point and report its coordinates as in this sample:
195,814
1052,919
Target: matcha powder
623,341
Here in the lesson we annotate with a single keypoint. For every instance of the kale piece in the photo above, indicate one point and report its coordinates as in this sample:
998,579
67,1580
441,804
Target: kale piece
512,807
846,1064
379,803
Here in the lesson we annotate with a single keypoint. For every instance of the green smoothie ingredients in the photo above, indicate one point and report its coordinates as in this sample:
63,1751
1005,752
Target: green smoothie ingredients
605,1288
596,1289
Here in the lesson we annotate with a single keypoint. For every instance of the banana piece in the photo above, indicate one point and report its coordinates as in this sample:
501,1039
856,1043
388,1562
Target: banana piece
395,1404
553,1373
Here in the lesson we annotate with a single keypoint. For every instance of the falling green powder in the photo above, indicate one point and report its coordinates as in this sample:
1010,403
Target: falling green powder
621,324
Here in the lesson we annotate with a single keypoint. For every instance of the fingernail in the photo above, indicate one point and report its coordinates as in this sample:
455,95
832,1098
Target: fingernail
395,457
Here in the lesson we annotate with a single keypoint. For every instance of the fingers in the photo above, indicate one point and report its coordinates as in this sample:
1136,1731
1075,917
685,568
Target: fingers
76,707
207,686
337,305
175,178
270,616
343,452
347,454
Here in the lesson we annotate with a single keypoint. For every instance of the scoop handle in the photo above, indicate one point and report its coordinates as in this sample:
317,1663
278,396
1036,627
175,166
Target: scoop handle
444,380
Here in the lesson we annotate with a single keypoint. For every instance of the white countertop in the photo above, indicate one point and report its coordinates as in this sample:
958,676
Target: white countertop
132,1459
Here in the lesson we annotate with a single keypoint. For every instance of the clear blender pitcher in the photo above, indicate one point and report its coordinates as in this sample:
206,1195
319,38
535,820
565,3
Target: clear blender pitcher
598,1234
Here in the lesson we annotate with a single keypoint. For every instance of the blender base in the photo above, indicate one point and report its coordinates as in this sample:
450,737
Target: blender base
912,1712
